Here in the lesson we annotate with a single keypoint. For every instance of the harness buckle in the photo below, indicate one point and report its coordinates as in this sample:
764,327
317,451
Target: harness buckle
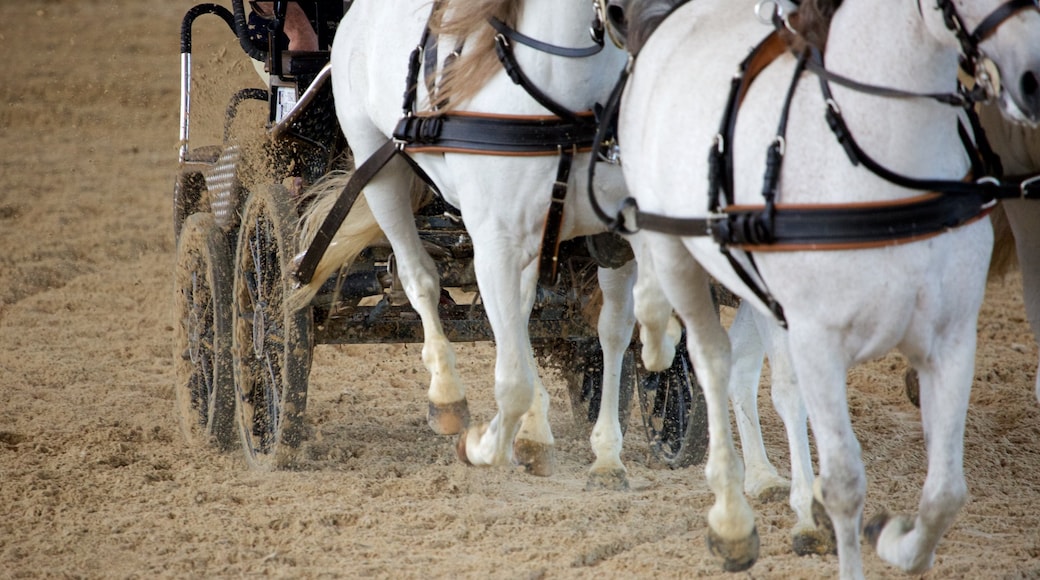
610,153
719,142
628,213
1026,184
713,230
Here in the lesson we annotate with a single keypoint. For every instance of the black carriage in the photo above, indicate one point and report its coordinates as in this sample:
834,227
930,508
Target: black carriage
243,358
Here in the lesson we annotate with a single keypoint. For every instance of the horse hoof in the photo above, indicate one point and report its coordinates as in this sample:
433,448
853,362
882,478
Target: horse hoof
816,542
463,441
872,531
913,387
448,419
536,458
736,555
607,479
460,449
821,519
774,493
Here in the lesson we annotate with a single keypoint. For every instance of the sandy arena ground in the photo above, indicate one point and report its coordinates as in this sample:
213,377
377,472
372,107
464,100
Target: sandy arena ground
96,480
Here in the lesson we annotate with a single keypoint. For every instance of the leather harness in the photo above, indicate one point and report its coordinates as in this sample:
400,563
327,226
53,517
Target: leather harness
564,133
798,227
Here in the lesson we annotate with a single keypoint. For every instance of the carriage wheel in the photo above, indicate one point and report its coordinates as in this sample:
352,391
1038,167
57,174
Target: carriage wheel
272,347
584,376
674,412
202,355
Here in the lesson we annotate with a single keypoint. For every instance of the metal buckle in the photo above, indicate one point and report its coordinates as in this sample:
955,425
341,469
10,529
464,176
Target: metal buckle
1026,184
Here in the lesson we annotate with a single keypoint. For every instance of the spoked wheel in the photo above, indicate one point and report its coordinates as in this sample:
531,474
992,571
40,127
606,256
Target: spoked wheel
272,346
584,376
674,412
202,352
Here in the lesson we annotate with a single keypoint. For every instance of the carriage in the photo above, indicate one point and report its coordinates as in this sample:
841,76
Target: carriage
243,358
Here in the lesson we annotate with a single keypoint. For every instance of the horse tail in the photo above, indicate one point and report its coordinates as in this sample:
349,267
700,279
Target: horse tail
1004,258
358,231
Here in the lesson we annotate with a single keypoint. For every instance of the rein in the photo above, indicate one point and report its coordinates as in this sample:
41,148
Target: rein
564,133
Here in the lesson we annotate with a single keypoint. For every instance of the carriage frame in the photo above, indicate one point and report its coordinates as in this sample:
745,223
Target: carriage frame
243,358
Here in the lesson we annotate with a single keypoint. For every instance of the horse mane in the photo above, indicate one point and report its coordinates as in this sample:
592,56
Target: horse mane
812,20
639,19
467,19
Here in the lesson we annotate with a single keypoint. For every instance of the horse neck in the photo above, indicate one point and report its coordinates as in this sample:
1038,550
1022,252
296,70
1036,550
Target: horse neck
889,43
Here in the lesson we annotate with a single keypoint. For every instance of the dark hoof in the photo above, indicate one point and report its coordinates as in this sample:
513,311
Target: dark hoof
913,387
736,555
460,449
774,494
818,542
448,419
872,531
607,479
536,458
821,519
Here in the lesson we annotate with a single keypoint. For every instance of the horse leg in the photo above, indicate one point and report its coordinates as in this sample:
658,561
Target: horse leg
843,481
659,331
616,321
945,381
508,295
388,196
808,537
761,479
732,535
1024,217
534,446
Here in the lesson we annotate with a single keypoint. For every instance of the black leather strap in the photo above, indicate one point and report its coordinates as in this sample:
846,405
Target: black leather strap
520,38
478,133
362,175
992,22
505,55
549,259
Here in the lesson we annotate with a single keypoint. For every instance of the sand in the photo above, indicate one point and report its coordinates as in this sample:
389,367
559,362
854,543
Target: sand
96,480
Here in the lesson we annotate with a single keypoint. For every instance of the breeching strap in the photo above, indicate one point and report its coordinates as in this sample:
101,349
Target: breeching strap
364,173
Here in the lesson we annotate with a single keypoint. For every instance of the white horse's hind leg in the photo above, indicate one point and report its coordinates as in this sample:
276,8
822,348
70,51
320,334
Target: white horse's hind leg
616,320
945,390
807,538
659,331
1024,217
761,479
388,195
732,535
843,480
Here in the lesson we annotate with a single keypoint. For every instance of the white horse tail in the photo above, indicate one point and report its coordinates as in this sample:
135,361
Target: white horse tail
1004,258
358,231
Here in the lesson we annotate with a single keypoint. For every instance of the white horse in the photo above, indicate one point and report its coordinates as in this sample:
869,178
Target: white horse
843,306
503,200
753,334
